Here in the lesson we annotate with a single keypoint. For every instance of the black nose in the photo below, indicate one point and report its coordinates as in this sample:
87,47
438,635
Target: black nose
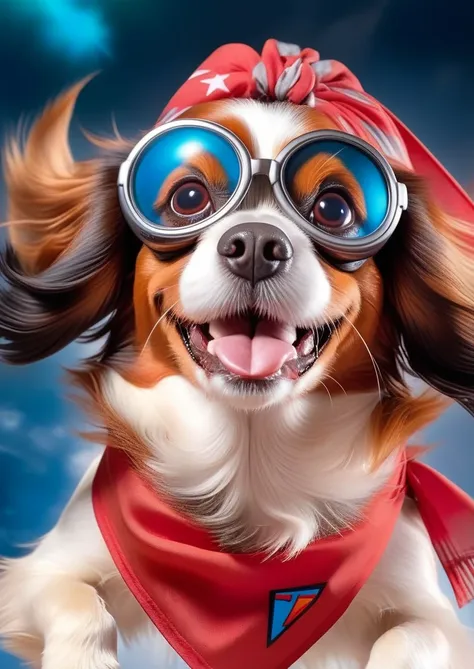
255,251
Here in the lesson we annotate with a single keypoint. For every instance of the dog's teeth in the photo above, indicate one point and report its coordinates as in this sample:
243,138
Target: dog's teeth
287,333
238,325
306,345
197,338
217,329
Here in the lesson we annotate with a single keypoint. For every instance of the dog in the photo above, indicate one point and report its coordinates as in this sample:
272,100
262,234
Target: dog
265,450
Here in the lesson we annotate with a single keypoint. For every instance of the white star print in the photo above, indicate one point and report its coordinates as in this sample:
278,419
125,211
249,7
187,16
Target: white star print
216,83
199,73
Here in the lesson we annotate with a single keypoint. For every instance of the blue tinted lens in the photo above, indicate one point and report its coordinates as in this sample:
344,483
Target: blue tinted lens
370,180
179,152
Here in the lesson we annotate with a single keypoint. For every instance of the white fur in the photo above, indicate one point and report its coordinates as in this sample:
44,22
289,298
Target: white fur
269,468
300,297
282,465
209,291
272,126
200,446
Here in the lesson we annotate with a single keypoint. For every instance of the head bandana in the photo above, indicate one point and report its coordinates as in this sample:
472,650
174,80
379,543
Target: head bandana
286,72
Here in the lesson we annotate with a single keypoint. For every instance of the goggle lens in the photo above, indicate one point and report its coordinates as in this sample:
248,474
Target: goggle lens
183,154
339,167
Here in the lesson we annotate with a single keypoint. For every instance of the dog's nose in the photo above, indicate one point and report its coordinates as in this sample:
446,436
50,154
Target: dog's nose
255,251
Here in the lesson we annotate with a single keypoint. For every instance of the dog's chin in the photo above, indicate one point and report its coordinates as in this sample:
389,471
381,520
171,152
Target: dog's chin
282,356
243,395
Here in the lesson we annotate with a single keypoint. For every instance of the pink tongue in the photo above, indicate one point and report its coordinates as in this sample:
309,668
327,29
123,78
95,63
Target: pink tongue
253,358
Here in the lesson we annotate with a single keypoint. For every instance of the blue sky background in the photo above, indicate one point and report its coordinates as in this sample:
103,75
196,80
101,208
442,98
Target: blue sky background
418,62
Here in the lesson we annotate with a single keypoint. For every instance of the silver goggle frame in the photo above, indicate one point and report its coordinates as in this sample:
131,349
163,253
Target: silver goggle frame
345,248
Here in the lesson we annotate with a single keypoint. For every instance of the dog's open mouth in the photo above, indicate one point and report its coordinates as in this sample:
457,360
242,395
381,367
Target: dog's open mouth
254,348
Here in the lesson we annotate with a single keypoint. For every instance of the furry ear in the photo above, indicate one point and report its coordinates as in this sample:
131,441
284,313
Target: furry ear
428,272
69,256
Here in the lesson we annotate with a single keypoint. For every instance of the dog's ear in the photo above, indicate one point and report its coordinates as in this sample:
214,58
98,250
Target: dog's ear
428,272
67,262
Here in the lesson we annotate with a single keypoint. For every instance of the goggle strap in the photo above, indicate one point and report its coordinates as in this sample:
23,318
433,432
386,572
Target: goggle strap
168,256
344,266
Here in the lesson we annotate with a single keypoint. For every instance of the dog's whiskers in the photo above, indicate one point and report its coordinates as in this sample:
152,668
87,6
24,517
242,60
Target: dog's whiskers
378,374
173,285
335,329
328,392
328,376
163,315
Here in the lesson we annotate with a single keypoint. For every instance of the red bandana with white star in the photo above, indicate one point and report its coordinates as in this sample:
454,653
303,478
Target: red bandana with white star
286,72
231,611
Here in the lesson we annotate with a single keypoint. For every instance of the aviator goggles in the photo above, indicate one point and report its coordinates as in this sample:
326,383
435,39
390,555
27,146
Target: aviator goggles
184,176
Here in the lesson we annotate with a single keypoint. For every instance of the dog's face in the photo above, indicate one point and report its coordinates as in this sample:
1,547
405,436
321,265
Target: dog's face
254,314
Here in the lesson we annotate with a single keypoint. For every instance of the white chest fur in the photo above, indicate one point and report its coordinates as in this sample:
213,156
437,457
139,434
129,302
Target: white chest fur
291,471
278,465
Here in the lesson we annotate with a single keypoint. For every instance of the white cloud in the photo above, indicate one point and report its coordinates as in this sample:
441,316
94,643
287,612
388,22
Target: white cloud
79,351
149,653
81,458
46,438
60,440
59,432
10,419
12,452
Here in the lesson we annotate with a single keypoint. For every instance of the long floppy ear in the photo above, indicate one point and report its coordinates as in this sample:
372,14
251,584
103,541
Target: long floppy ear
428,271
69,257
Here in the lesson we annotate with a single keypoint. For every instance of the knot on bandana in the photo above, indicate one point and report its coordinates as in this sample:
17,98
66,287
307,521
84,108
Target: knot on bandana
284,72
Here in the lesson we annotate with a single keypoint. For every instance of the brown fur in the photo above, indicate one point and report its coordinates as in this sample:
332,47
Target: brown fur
205,164
315,171
216,113
73,268
43,179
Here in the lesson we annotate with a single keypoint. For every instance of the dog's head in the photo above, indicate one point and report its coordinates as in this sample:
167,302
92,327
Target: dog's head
253,313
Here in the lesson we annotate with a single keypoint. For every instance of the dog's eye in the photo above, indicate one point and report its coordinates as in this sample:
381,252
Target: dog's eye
331,210
190,198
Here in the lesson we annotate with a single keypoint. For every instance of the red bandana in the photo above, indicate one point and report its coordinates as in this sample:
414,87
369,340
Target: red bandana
227,611
286,72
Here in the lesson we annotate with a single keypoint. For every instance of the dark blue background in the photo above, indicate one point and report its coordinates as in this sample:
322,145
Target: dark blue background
415,56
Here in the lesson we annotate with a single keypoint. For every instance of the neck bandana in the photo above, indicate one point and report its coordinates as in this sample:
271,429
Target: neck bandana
227,611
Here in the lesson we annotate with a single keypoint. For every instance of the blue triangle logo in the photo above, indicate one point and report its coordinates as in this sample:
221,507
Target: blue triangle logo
287,606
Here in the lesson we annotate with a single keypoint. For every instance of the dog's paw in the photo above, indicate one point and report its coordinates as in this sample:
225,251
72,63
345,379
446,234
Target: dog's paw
411,646
77,656
90,643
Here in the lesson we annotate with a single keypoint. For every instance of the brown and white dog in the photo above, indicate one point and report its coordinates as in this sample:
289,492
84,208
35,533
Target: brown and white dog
263,467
